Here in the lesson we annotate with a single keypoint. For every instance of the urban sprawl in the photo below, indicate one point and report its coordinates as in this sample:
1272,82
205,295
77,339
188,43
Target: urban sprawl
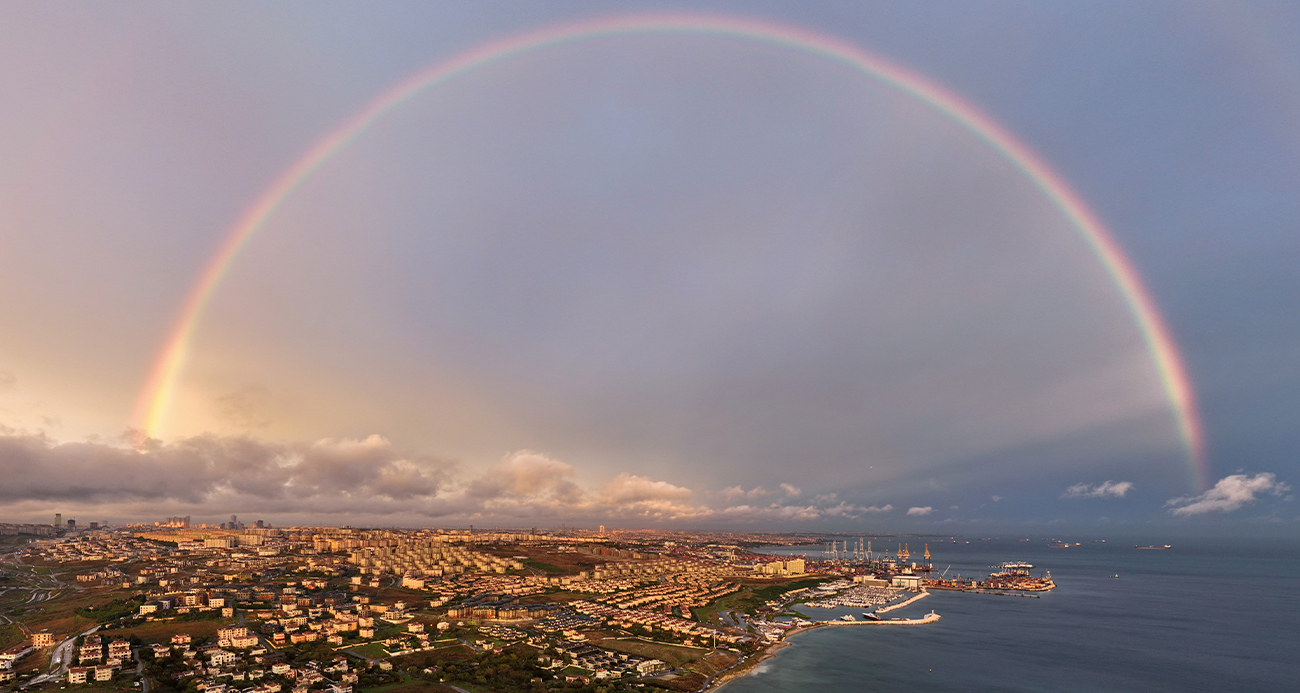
170,607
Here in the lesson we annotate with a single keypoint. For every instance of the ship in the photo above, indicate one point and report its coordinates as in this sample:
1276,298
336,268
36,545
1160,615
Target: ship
868,616
1159,548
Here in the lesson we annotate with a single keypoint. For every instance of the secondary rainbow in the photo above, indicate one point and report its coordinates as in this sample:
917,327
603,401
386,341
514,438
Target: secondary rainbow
155,399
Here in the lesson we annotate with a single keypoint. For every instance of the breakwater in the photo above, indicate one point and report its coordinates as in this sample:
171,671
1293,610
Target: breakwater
885,609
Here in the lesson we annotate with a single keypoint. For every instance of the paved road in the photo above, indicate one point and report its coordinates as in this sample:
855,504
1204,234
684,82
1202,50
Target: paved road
60,660
139,670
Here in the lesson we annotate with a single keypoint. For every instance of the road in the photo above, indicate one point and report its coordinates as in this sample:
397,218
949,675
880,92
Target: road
139,670
60,659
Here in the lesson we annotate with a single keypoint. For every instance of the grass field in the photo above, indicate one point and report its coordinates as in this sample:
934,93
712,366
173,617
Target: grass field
676,655
162,631
10,635
372,650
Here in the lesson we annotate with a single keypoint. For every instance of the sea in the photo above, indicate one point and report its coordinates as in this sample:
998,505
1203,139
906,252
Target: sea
1205,615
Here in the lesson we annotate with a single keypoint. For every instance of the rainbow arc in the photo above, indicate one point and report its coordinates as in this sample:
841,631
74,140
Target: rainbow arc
154,404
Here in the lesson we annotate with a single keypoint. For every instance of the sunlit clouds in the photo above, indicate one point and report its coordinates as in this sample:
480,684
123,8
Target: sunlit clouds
1231,493
364,478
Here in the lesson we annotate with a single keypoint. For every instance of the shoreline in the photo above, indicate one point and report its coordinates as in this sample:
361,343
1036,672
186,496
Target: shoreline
771,651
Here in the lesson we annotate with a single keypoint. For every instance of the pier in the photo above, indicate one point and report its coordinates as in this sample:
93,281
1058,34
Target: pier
886,609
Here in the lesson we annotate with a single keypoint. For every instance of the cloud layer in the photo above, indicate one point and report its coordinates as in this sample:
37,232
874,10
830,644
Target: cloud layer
365,477
1229,494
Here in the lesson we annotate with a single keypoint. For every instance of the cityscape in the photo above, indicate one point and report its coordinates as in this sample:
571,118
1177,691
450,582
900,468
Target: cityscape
658,345
219,607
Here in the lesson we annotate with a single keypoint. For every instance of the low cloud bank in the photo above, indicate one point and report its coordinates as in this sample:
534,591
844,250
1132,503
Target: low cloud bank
1229,494
364,477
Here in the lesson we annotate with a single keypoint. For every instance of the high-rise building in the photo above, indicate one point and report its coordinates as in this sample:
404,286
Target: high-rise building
58,519
72,524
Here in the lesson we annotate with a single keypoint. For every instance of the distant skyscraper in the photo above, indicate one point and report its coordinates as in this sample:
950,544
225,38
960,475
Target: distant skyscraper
602,529
58,519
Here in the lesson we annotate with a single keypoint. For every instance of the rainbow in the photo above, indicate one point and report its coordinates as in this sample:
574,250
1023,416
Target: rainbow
155,399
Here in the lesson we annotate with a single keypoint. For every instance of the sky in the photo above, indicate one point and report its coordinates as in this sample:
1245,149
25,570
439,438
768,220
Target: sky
679,278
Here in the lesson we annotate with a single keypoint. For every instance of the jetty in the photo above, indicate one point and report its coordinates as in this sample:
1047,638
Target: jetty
928,618
886,609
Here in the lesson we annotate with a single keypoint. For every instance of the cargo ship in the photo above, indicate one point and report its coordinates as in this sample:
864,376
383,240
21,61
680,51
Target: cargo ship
1154,548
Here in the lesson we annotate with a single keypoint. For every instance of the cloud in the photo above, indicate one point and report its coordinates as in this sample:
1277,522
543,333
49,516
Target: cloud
1229,494
197,469
358,477
525,473
732,494
1106,489
810,512
920,510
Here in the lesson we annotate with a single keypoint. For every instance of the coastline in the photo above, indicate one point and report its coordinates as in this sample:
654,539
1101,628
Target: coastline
771,651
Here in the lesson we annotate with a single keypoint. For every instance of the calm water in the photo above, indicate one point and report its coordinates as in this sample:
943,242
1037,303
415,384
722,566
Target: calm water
1204,616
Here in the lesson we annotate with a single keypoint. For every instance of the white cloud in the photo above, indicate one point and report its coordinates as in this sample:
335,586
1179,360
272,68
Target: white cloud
735,493
1229,494
791,490
926,510
1106,489
777,511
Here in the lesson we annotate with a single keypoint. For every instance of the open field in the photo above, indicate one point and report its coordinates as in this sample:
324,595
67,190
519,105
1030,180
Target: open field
59,614
372,650
676,655
11,635
420,660
550,561
162,631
